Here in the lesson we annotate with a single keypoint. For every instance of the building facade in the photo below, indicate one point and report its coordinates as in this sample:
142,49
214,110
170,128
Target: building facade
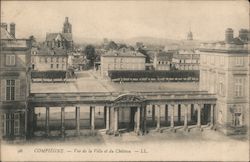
14,85
123,59
162,60
45,59
224,71
186,60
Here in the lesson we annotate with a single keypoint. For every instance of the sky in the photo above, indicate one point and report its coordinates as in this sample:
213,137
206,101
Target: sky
127,19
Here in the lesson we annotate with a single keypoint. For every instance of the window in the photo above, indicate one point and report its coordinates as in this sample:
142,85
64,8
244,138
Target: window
237,116
222,60
51,66
57,59
10,90
51,59
62,66
239,87
221,88
45,59
239,61
57,66
10,60
33,66
16,124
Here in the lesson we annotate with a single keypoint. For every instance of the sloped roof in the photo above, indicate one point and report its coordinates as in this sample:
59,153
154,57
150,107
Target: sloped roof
164,56
237,41
51,36
115,53
48,51
5,34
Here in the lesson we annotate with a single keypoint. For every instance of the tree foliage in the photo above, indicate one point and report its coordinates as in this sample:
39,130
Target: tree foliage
90,53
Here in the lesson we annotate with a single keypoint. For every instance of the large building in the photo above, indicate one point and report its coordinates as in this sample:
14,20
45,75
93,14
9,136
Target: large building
15,81
123,59
224,71
45,59
62,40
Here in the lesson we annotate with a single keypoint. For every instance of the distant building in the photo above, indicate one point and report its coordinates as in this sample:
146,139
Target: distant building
123,59
162,60
62,40
224,71
186,60
14,84
45,59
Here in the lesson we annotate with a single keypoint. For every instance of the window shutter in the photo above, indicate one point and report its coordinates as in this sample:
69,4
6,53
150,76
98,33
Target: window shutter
3,90
4,124
17,89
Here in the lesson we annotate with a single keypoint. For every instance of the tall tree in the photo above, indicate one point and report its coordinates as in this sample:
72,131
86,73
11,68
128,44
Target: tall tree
90,53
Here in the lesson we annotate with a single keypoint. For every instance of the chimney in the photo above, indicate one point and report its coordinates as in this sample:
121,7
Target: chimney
229,35
243,34
13,29
4,25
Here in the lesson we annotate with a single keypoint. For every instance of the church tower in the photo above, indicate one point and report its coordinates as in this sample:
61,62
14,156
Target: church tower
67,28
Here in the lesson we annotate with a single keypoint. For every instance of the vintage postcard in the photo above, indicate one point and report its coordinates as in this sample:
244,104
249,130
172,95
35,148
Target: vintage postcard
124,80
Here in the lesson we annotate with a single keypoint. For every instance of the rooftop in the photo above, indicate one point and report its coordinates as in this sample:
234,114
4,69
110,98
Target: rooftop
5,34
52,36
123,53
47,51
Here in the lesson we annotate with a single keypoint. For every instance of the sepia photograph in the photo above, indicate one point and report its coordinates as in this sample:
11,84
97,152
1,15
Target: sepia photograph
136,80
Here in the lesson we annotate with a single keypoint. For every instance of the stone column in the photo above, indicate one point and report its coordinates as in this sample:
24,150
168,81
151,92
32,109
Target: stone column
199,115
158,117
172,116
166,113
212,114
63,121
107,118
145,120
77,120
116,121
153,113
92,108
192,112
104,115
179,113
47,121
185,117
138,120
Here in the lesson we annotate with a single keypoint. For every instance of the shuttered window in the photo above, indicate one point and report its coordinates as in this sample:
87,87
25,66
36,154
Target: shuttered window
3,124
10,60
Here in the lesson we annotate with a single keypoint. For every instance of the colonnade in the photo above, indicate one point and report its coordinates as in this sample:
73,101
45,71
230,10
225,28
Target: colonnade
111,117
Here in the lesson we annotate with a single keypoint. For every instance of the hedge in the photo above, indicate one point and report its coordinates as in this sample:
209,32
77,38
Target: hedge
153,74
49,74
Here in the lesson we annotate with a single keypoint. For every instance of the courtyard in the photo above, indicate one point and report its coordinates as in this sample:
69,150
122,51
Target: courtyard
90,81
